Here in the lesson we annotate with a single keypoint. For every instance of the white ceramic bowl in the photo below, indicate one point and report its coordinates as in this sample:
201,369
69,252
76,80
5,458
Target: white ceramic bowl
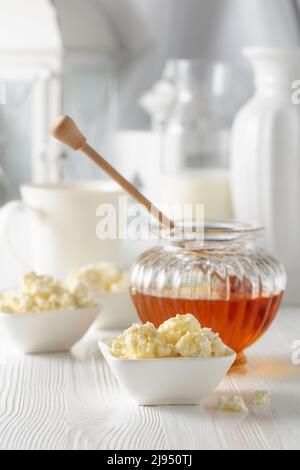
118,311
168,381
45,332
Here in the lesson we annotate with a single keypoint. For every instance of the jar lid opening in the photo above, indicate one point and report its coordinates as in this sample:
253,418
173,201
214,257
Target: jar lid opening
211,231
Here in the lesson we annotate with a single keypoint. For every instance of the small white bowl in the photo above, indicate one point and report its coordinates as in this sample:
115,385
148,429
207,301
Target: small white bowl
53,331
118,311
168,381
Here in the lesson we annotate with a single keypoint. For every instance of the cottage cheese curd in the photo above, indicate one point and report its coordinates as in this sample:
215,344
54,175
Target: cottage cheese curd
262,399
194,345
178,336
141,342
218,348
175,328
233,404
101,277
43,293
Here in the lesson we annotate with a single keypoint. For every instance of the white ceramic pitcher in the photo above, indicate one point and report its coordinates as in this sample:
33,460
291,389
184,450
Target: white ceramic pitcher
265,157
62,228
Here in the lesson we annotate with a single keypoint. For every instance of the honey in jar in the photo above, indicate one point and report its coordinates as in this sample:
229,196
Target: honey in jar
226,281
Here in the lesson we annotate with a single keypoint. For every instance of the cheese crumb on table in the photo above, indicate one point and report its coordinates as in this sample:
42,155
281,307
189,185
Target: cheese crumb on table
261,399
100,277
43,293
141,342
233,404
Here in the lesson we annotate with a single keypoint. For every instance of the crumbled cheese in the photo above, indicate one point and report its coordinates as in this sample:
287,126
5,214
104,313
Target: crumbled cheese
101,277
41,286
261,399
141,342
194,345
218,348
233,404
43,293
175,328
178,336
190,340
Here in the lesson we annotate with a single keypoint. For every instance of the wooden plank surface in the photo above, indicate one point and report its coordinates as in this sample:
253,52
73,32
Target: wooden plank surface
72,401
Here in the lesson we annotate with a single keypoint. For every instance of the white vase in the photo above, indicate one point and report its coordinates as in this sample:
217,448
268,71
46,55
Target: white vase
265,158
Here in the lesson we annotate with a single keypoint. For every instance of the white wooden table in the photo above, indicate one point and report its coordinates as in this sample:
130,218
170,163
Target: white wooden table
64,401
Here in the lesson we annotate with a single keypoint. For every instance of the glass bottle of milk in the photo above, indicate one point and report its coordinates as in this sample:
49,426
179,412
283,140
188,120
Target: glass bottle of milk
196,140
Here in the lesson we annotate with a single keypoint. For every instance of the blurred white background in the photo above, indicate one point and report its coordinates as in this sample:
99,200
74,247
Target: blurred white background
110,52
94,59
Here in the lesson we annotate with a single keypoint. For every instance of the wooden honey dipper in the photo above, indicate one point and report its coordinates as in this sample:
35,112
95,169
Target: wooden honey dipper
65,130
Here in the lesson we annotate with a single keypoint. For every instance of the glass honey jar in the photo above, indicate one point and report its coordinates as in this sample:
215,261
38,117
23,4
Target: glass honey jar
217,273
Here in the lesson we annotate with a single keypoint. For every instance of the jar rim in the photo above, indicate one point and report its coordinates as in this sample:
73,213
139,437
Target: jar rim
211,231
